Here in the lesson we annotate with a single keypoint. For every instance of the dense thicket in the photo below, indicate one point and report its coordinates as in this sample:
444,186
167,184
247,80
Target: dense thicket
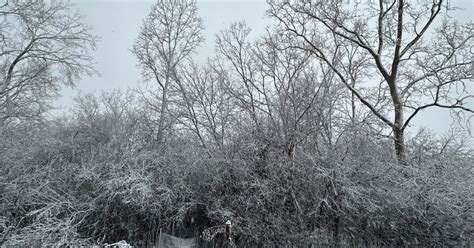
265,134
94,177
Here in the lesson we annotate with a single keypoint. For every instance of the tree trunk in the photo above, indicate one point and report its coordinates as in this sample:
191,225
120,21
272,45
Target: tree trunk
353,106
163,117
399,140
397,127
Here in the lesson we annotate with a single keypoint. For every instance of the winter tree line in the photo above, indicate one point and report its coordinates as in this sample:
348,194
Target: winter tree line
298,136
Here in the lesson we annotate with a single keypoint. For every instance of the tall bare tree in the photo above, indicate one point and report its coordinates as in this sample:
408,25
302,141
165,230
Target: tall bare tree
275,85
169,34
418,69
43,44
206,106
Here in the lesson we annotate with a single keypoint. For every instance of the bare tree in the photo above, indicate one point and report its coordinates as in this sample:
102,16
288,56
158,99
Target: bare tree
276,85
235,52
417,69
43,44
170,33
291,86
206,106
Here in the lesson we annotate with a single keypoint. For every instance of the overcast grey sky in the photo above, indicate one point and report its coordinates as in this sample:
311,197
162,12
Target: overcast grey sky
117,22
